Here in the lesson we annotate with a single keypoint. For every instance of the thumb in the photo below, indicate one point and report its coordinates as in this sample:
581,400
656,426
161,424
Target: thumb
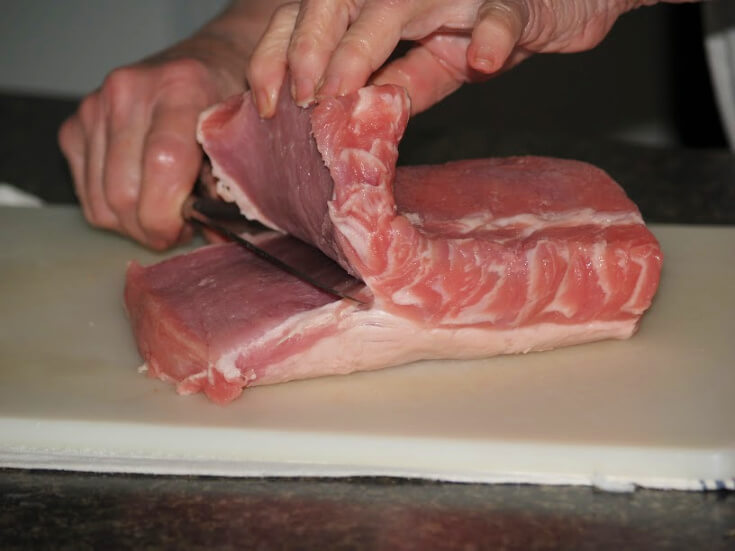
498,29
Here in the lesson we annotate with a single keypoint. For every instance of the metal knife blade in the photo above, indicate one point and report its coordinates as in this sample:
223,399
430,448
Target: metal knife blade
200,211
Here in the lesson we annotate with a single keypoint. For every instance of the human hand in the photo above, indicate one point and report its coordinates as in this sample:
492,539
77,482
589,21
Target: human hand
132,151
332,47
131,145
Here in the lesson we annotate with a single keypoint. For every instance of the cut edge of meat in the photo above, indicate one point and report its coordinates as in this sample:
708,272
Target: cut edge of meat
227,187
347,339
382,339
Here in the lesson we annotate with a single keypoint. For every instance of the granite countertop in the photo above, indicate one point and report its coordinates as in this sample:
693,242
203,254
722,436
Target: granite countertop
49,509
92,511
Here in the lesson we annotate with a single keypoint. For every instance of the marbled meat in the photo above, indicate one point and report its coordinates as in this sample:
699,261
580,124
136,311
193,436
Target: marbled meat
462,260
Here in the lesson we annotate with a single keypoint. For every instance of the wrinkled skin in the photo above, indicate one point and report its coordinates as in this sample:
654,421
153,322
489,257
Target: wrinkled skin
333,47
130,149
131,145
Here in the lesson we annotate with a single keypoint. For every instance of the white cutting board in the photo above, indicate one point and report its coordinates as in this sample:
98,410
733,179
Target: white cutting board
657,410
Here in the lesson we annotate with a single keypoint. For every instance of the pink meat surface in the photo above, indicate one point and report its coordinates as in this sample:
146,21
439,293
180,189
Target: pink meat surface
503,242
220,319
467,259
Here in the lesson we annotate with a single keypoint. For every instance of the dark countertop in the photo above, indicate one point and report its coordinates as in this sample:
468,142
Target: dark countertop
62,510
91,511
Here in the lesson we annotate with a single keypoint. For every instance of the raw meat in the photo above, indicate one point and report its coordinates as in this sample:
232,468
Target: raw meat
219,319
503,242
468,259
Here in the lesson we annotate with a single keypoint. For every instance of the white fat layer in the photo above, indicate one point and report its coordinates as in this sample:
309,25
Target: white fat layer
533,291
203,116
559,303
633,304
373,339
365,158
482,311
367,101
414,218
599,260
353,231
228,369
532,223
228,189
440,288
297,325
364,103
191,384
407,295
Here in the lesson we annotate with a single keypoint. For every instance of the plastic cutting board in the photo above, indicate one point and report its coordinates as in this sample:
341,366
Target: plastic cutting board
657,410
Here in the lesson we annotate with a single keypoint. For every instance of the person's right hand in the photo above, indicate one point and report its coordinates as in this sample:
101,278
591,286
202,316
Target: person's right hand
131,147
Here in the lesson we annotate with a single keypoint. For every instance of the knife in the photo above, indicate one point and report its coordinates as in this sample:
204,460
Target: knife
203,211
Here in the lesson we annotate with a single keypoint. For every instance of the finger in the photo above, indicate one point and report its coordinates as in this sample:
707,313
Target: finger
423,76
171,162
319,28
122,172
72,144
365,47
497,30
267,67
93,123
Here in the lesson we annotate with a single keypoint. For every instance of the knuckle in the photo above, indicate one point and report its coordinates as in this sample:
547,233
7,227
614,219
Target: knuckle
184,71
303,50
345,10
119,86
121,197
259,63
186,80
507,13
358,51
301,43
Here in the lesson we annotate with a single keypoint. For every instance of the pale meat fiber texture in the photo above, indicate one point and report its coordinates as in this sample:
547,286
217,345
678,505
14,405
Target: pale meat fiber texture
462,260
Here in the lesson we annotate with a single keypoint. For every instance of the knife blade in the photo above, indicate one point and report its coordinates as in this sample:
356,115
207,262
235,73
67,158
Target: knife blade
201,211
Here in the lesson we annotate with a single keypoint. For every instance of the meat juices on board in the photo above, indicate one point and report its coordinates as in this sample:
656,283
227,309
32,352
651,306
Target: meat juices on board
467,259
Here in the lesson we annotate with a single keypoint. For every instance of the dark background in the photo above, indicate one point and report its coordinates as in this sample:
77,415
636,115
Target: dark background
646,84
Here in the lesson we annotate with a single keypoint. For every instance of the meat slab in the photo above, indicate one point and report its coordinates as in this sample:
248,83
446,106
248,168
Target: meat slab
467,259
220,318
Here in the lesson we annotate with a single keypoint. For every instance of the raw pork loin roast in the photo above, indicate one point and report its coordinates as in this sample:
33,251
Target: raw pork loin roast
462,260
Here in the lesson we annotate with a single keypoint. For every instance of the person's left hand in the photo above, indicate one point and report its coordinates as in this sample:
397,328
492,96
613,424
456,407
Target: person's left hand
332,47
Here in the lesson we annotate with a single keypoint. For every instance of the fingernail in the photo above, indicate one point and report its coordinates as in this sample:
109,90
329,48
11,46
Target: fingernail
264,102
483,60
331,86
302,91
